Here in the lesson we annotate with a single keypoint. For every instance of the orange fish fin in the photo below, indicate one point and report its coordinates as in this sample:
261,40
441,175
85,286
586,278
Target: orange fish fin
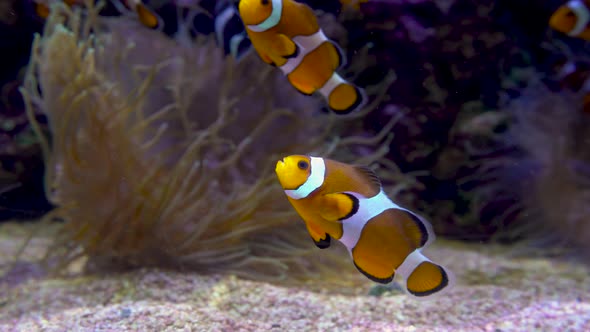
427,279
338,206
285,47
147,17
369,176
70,2
41,10
319,237
346,98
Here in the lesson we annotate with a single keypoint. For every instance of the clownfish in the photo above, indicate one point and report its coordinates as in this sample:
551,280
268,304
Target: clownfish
230,33
286,34
347,203
354,4
572,18
42,7
146,16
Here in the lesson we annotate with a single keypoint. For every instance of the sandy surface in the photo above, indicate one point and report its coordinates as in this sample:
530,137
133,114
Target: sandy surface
494,292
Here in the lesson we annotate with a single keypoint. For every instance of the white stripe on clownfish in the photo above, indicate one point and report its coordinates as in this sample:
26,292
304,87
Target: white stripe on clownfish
583,16
410,263
272,20
369,208
313,182
306,44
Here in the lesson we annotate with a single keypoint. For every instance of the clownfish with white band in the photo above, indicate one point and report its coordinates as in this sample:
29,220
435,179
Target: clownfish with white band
572,18
286,34
347,203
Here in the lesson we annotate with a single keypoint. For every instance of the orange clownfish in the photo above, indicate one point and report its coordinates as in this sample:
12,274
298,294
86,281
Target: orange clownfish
286,34
572,18
146,16
42,7
347,203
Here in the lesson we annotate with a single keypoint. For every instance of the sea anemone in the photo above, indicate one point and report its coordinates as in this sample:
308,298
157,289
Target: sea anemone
162,154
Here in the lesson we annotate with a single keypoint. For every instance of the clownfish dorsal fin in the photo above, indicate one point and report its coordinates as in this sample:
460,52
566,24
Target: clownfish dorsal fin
370,176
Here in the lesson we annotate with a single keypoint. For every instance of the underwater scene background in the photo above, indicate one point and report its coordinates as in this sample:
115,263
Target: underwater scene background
138,144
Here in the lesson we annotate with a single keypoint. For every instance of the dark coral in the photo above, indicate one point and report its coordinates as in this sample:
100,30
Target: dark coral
456,63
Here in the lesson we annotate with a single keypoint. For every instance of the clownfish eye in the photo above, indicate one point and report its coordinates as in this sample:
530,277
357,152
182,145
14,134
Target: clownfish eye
570,14
302,164
264,2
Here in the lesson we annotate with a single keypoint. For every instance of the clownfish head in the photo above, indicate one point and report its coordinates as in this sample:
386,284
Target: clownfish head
254,12
571,18
293,171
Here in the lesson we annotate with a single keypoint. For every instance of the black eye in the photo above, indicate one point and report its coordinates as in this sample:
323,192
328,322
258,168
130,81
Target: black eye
302,165
264,2
570,14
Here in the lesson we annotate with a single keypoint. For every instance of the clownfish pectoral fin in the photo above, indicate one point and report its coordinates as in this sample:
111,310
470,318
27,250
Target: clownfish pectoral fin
338,206
285,47
421,277
343,97
320,238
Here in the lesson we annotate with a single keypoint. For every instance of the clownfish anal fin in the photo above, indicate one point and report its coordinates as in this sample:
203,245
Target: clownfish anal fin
338,206
323,243
370,177
385,280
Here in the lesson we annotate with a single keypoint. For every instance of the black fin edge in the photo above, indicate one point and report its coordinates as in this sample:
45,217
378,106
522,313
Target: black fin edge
444,283
422,227
323,243
359,101
373,278
355,206
294,54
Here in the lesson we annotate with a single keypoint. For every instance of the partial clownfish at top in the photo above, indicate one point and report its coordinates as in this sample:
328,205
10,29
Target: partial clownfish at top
146,16
286,34
347,203
221,18
230,33
572,18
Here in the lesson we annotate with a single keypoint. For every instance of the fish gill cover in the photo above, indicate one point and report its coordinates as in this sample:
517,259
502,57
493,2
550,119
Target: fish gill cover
162,154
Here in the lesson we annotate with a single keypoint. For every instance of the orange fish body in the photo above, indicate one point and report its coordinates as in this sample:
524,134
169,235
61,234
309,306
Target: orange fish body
572,18
347,203
286,34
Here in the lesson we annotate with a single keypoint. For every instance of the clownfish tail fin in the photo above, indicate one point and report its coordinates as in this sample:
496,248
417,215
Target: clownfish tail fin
427,279
422,278
343,97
